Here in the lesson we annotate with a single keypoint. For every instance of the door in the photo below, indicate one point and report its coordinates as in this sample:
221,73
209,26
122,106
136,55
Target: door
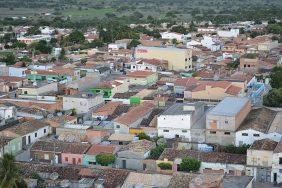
29,140
275,177
123,163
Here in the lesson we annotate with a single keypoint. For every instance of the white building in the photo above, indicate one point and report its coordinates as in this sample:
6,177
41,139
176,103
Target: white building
228,34
178,120
30,131
17,71
172,35
7,112
211,43
40,66
34,38
261,123
116,46
276,174
82,103
46,30
153,65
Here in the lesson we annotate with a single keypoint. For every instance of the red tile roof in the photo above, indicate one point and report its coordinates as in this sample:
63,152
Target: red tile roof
140,74
99,149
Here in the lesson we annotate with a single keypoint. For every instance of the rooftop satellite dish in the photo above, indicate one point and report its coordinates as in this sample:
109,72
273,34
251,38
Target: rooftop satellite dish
54,176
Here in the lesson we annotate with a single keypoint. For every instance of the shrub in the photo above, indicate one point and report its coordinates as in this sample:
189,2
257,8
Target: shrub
190,164
105,159
165,166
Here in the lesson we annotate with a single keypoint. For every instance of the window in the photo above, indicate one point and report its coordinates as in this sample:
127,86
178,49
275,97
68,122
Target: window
244,134
118,126
144,166
212,132
166,130
79,160
25,92
35,135
226,122
184,131
227,133
256,135
66,159
280,160
46,157
44,130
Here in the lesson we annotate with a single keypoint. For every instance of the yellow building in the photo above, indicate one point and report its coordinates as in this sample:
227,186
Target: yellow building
178,59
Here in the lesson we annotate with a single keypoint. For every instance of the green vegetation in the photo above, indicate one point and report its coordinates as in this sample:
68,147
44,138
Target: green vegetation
41,46
236,150
144,136
9,59
105,159
165,166
276,77
273,98
9,173
250,56
189,164
134,11
157,151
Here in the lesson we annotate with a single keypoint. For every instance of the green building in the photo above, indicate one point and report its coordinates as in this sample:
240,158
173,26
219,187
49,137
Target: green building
10,145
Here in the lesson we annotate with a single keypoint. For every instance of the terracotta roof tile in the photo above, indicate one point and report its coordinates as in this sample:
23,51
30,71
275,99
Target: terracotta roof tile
135,113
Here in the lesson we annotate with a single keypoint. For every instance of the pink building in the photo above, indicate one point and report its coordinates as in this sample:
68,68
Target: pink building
74,154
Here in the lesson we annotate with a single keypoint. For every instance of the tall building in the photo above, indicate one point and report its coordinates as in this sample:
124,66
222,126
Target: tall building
178,59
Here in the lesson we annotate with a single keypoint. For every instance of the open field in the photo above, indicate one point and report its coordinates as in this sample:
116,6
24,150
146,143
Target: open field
179,9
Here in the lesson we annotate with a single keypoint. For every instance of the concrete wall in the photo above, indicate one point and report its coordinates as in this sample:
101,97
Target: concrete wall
178,59
81,105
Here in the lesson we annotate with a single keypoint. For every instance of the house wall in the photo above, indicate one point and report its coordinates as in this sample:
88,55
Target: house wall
69,158
276,167
250,138
260,158
134,161
40,90
178,59
17,71
7,112
249,63
45,156
33,137
175,125
81,105
13,147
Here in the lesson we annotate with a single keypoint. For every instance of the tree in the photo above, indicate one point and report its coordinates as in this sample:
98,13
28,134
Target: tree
276,77
105,159
179,29
83,61
19,45
9,173
41,46
10,59
165,166
144,136
189,164
237,150
76,37
33,31
133,43
157,151
174,41
273,98
26,59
